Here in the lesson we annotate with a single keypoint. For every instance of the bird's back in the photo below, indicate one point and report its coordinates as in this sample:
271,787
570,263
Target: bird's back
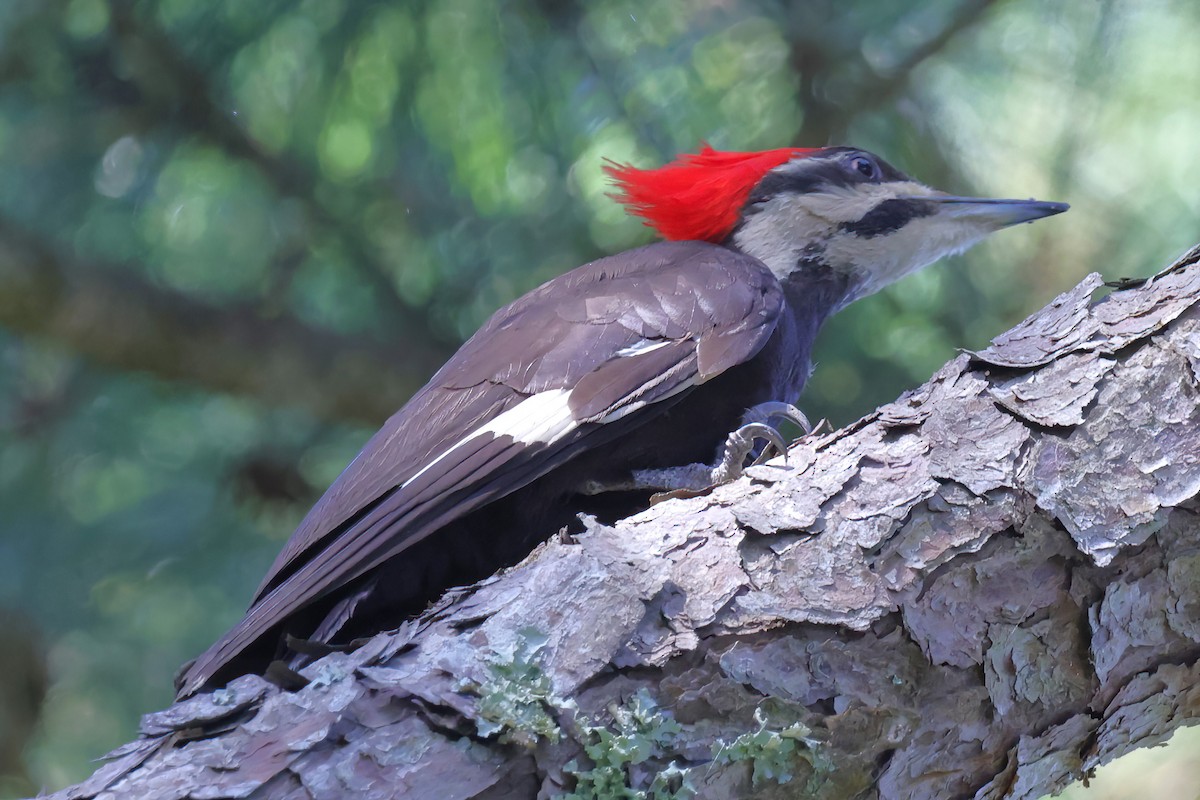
702,308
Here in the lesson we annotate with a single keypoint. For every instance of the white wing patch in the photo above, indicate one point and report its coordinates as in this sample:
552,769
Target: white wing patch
541,418
644,346
544,417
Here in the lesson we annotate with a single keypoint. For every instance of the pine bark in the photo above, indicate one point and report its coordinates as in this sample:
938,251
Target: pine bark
984,589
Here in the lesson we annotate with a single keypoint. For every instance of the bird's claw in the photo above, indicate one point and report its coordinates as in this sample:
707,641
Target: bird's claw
738,446
765,412
755,426
692,478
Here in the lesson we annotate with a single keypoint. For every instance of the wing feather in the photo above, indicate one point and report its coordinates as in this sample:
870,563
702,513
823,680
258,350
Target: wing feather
618,338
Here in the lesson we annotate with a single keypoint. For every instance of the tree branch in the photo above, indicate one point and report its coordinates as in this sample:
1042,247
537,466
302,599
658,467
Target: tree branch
116,319
985,588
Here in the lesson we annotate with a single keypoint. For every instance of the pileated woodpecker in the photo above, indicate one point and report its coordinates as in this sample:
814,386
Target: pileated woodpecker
616,375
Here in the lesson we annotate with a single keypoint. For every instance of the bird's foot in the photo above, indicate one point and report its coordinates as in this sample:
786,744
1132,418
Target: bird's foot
756,425
775,410
695,477
740,444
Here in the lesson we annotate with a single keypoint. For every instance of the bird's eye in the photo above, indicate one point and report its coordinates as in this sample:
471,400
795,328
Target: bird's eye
864,166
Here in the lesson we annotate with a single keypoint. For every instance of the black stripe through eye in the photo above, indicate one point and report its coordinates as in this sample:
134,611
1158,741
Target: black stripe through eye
888,216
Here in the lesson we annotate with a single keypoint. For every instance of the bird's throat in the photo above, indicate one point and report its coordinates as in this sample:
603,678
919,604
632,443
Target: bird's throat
815,290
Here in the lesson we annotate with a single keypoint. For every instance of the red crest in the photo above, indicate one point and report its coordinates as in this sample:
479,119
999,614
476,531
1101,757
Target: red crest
698,195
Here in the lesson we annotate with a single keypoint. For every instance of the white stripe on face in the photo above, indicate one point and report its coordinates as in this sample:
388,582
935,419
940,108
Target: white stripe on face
789,226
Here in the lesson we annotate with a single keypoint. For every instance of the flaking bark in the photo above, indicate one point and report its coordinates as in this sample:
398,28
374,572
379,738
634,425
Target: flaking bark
984,589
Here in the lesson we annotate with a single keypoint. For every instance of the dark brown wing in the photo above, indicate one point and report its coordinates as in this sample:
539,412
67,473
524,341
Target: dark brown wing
545,379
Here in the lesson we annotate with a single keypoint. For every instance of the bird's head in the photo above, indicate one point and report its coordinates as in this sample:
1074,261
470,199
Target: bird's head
837,208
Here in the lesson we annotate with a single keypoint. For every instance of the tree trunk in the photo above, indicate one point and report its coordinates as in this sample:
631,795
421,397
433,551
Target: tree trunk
984,589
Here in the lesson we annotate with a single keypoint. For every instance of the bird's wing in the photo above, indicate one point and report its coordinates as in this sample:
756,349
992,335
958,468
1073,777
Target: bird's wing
548,377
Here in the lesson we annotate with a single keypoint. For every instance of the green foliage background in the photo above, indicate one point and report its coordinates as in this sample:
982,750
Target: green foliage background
210,207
